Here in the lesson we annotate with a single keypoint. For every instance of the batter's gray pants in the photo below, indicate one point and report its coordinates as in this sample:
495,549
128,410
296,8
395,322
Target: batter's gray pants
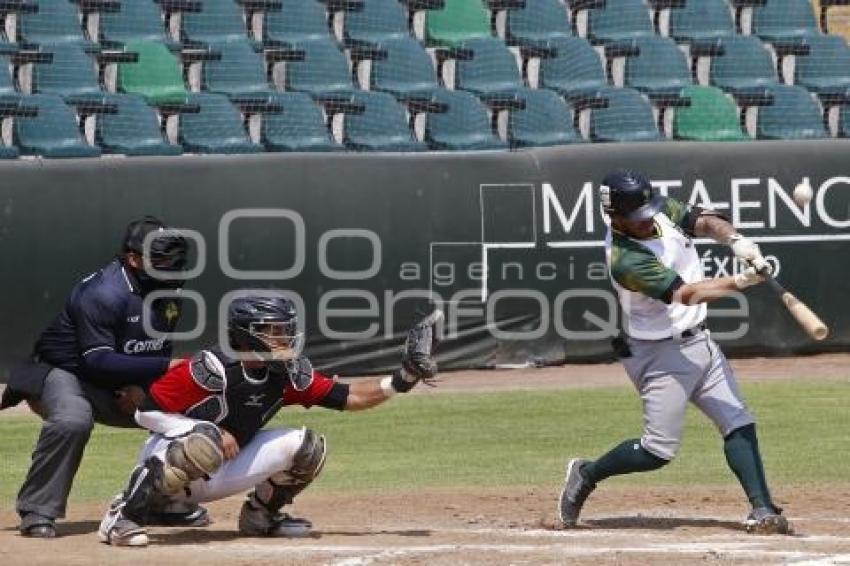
670,373
69,408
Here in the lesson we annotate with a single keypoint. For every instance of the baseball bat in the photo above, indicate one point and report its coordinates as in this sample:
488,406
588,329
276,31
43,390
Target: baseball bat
805,317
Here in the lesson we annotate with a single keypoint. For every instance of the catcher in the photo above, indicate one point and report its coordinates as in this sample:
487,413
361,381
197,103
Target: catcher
207,413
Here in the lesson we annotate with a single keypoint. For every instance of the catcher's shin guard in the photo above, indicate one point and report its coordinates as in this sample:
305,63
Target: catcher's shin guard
143,488
281,488
123,523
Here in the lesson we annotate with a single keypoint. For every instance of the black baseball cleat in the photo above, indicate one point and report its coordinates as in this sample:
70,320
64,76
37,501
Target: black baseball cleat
575,492
257,521
179,514
37,526
768,521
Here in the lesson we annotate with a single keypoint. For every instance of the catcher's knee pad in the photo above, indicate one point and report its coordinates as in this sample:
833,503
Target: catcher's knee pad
309,460
307,463
197,455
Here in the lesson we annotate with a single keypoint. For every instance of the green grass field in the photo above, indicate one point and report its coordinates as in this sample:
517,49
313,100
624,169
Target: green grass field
491,439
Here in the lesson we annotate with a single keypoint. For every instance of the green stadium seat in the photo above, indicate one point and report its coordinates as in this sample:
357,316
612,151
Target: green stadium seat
536,23
71,74
406,71
376,21
216,128
137,20
9,152
619,20
324,72
240,72
701,21
491,71
794,115
660,67
382,126
784,20
575,70
53,132
133,129
712,116
57,22
826,69
545,120
464,126
745,66
299,127
456,22
218,21
157,76
7,47
297,21
627,118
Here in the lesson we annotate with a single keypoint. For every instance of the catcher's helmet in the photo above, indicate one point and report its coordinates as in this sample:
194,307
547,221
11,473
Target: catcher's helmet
630,195
168,252
264,324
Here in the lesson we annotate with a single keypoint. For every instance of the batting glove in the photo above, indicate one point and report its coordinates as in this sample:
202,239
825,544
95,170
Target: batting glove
747,278
748,251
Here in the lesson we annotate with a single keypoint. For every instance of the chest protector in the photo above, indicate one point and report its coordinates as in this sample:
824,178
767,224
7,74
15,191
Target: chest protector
237,402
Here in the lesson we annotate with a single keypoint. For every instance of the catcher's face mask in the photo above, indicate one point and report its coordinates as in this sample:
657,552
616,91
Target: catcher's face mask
282,341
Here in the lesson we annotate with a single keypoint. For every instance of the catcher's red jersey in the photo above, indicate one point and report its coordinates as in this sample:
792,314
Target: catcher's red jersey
176,391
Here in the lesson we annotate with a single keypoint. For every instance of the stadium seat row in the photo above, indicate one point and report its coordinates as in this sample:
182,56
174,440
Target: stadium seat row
550,86
372,121
437,22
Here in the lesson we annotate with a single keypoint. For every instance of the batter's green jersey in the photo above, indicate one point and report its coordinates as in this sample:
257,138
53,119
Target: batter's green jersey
636,268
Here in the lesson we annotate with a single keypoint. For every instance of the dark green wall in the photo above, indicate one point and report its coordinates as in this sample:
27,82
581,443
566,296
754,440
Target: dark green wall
62,219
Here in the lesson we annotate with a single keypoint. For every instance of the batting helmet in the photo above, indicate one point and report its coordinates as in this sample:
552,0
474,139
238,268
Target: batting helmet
264,323
630,195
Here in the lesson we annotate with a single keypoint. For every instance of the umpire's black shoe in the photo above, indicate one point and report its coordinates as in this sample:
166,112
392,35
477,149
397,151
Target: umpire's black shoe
180,514
37,526
575,492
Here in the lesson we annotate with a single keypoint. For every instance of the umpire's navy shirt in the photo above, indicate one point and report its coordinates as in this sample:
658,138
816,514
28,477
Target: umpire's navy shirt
99,335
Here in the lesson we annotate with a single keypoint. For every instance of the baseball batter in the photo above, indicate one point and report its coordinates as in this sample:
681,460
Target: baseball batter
666,350
206,415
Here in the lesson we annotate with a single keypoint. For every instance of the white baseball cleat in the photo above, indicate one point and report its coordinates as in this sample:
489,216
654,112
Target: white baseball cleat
117,530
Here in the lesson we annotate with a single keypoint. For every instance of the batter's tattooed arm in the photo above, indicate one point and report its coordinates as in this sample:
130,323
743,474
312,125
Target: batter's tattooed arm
712,289
715,227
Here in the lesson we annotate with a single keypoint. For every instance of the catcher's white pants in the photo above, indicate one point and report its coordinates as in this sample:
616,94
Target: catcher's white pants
268,453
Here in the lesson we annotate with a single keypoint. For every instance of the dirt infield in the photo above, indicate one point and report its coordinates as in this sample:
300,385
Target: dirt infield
506,526
497,525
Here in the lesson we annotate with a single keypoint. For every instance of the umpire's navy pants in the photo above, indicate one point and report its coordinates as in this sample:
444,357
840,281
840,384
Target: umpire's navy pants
70,408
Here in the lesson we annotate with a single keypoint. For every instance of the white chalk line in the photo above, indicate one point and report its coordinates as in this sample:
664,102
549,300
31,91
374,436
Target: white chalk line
726,545
367,554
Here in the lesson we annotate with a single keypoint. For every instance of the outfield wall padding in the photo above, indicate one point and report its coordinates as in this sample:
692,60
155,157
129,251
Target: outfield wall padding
362,239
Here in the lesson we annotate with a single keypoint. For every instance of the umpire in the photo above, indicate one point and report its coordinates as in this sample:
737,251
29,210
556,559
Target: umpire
93,364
